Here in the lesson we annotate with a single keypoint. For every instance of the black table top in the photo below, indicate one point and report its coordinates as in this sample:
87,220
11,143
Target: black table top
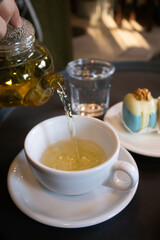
139,220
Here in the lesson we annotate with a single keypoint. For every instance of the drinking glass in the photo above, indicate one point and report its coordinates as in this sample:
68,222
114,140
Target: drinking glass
90,84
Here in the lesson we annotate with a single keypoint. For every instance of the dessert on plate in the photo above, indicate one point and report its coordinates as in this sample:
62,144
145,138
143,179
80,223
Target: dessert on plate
158,112
139,110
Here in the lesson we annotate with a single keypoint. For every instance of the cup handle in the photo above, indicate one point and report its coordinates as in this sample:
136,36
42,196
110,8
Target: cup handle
124,170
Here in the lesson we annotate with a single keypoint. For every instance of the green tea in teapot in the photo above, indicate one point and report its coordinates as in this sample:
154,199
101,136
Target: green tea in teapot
26,69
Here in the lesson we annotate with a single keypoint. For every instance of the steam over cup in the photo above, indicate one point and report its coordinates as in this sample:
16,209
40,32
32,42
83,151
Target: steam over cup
78,182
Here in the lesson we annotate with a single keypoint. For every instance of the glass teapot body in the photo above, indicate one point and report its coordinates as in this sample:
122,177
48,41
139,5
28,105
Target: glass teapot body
26,74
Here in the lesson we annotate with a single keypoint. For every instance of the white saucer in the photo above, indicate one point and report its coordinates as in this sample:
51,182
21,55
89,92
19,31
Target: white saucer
146,144
64,211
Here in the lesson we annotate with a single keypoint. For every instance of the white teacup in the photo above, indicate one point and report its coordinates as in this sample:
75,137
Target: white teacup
78,182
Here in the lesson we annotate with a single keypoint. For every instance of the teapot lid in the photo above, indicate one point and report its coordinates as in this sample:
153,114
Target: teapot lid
17,37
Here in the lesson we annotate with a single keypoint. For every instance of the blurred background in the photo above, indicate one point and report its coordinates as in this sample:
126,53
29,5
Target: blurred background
117,30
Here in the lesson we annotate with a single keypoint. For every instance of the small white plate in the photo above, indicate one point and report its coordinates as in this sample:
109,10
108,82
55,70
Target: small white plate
64,211
147,144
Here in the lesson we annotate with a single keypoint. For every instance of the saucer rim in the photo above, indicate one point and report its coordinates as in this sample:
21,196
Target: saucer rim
69,223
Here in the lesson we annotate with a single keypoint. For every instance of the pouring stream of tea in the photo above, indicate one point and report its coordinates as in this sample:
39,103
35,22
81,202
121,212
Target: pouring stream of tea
68,111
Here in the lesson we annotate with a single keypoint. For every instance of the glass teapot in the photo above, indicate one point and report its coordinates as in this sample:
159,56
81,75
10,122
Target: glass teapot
26,69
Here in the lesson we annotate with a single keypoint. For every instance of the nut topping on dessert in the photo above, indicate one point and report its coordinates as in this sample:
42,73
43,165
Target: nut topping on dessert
142,94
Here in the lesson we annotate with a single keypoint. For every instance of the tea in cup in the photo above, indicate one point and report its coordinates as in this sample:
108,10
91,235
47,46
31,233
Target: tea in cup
73,155
88,160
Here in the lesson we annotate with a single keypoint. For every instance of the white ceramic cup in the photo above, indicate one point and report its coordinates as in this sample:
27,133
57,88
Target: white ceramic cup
78,182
